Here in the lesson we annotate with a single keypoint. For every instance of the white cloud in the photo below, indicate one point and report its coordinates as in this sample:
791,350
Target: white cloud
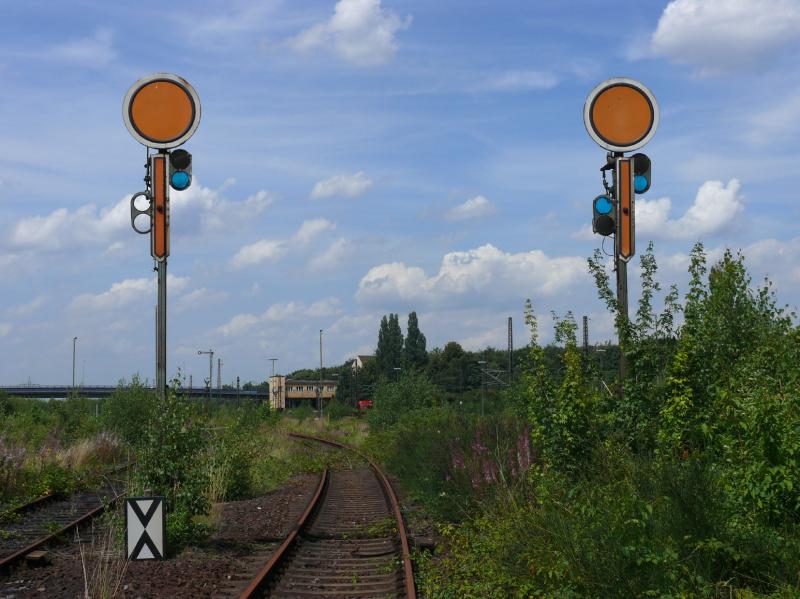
199,297
332,257
522,81
361,32
310,229
280,311
238,324
779,122
715,208
5,328
27,308
198,209
724,35
203,209
472,276
6,260
264,250
323,308
347,186
272,250
62,229
278,314
473,208
95,51
355,325
125,293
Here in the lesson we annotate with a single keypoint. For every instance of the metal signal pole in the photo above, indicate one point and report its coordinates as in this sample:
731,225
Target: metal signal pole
622,303
161,328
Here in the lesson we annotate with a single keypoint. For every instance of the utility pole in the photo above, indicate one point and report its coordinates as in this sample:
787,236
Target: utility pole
210,353
74,339
510,351
355,385
483,383
586,336
269,386
319,389
219,374
238,404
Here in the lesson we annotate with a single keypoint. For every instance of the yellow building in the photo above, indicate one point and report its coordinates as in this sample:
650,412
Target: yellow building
285,393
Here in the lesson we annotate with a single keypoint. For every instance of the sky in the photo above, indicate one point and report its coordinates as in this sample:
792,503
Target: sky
362,157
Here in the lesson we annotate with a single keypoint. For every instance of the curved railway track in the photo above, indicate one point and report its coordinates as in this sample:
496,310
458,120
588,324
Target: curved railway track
350,542
44,519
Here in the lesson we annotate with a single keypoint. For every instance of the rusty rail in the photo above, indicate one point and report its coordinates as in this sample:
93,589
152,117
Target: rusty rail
265,574
21,553
408,573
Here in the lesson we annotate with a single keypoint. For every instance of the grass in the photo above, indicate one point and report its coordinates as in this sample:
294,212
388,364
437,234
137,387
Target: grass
103,560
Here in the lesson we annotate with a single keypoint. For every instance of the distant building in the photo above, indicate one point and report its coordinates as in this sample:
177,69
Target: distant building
285,393
361,360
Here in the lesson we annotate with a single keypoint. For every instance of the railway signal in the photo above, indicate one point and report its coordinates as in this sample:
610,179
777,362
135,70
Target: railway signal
161,111
642,177
621,115
603,220
180,170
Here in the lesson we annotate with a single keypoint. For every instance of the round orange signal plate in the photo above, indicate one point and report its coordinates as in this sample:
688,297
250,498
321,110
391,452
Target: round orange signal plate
161,110
621,114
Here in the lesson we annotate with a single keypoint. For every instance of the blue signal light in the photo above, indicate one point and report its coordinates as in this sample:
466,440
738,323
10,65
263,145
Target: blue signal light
180,180
640,183
603,205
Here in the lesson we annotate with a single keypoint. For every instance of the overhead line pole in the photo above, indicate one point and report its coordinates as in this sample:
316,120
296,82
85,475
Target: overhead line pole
319,390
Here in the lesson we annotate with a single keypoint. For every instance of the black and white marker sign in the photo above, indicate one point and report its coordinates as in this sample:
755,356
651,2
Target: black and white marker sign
145,527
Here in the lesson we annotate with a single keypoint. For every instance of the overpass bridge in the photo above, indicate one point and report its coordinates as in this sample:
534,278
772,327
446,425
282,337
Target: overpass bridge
100,391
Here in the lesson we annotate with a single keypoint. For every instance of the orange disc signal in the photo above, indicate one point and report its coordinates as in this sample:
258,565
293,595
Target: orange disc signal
161,110
621,114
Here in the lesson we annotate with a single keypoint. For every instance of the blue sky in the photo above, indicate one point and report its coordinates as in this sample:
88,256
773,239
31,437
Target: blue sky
362,157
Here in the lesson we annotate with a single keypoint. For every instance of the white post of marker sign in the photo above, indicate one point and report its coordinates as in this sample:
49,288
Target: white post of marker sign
145,527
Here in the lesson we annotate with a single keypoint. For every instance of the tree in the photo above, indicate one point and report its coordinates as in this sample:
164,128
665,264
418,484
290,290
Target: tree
389,354
415,352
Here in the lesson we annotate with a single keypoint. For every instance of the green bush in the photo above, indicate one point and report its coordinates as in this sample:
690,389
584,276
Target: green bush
230,465
303,412
685,485
338,409
171,464
412,391
127,409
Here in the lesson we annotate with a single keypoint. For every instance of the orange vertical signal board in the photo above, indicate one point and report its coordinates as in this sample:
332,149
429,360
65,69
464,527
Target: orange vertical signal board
626,242
160,232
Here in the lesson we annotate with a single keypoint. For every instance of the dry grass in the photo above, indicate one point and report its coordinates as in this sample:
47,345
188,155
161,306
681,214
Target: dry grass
103,561
104,448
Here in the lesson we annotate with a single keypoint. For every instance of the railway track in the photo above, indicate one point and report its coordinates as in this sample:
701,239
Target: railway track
43,520
350,542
